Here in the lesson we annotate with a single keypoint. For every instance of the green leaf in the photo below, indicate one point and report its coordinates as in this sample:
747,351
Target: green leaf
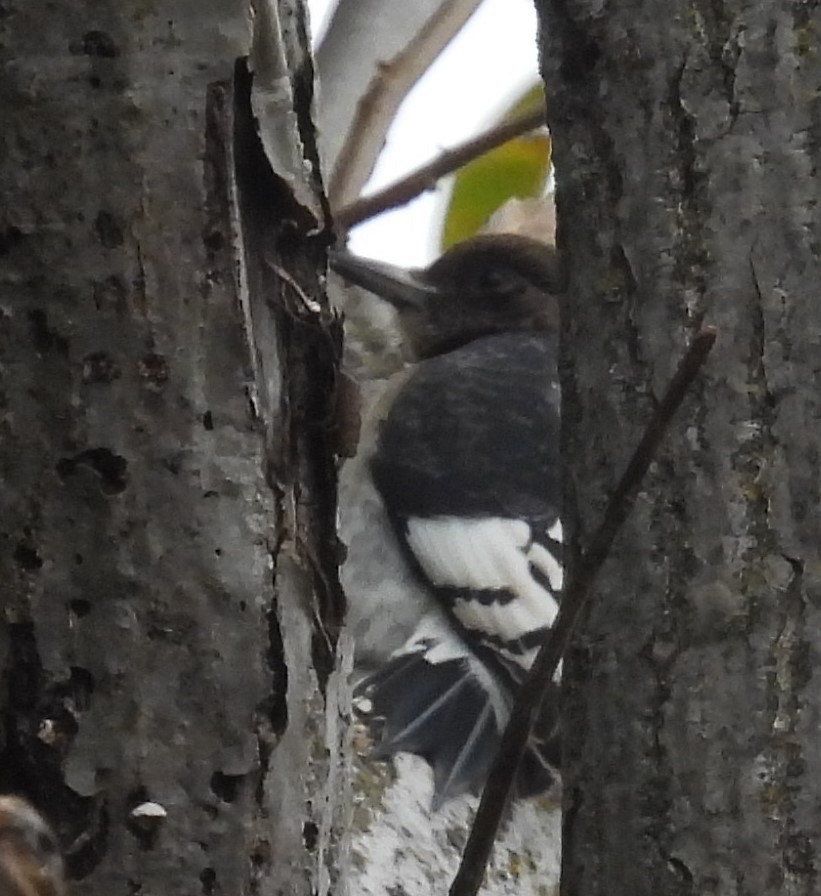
519,168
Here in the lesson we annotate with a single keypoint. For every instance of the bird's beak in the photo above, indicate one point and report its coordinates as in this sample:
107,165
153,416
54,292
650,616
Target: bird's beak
404,289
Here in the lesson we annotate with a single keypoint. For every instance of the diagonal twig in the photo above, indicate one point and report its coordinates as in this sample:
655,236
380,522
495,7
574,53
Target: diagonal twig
387,89
424,178
500,781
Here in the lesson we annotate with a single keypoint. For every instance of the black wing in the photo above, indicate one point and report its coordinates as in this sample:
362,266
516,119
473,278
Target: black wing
467,465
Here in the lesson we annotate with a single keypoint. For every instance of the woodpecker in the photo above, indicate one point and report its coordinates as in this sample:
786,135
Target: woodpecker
30,860
454,571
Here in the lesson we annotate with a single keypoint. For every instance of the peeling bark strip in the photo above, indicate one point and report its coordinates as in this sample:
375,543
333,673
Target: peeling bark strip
161,603
297,381
687,145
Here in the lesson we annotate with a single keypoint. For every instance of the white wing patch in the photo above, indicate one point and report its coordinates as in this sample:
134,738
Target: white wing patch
490,554
546,563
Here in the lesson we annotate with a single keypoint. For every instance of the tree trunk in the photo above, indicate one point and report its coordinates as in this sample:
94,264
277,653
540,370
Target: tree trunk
687,137
167,364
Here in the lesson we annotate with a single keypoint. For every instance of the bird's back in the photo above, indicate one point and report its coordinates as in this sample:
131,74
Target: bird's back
466,463
475,431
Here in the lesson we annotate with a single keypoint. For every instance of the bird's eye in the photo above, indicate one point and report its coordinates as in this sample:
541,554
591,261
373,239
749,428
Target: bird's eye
493,280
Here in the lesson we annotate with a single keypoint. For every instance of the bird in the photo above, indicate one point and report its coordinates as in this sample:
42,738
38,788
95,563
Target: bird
451,510
30,860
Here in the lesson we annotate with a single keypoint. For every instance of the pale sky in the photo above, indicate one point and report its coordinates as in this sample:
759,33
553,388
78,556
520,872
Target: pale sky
487,65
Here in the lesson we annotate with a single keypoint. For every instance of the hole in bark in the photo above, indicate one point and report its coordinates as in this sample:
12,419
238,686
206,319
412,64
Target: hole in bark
275,707
44,338
208,421
261,856
213,240
26,673
99,367
27,557
9,238
310,835
153,369
67,698
110,467
109,229
81,685
208,879
110,291
226,787
581,55
173,464
79,607
94,43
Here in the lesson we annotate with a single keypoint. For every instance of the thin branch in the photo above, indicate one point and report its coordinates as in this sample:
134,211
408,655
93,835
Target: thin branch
500,781
376,109
425,178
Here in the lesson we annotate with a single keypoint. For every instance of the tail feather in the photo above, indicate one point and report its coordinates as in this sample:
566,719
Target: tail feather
539,768
437,711
434,698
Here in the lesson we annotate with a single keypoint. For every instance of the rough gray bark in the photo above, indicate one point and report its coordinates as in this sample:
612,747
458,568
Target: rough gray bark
167,362
686,142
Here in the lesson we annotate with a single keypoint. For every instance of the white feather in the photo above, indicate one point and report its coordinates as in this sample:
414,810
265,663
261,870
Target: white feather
546,563
490,554
436,638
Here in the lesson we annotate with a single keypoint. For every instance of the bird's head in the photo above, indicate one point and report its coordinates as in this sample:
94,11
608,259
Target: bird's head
493,283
